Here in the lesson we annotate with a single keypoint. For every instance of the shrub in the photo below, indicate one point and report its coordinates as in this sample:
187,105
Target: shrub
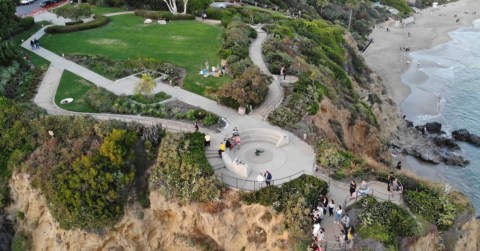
294,198
163,15
97,22
183,169
395,221
74,22
250,88
21,242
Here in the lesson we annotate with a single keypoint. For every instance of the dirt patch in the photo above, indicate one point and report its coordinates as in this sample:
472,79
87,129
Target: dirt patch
107,41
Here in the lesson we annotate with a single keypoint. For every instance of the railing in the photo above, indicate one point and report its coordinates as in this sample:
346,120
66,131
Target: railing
276,102
254,185
392,196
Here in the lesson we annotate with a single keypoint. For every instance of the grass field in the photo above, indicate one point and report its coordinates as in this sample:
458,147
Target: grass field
73,86
187,44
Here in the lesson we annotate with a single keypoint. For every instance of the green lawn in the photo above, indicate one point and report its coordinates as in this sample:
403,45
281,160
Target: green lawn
105,10
187,44
73,86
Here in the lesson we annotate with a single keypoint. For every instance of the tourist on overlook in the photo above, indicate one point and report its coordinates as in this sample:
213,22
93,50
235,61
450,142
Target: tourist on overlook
341,238
268,177
331,207
221,149
316,230
338,214
207,140
196,126
353,188
316,215
363,190
260,179
345,223
390,178
235,132
324,204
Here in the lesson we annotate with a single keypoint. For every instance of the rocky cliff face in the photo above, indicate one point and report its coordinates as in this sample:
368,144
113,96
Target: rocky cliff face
166,225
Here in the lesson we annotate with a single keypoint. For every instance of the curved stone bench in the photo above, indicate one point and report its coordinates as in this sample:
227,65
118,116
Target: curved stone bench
278,138
241,169
275,137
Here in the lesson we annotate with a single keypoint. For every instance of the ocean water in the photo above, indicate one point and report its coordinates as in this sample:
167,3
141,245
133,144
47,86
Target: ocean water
445,85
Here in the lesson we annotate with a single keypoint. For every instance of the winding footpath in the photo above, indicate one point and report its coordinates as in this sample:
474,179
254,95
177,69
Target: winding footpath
301,157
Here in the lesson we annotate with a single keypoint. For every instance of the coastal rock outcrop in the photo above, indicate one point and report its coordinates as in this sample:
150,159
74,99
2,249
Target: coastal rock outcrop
434,127
435,155
465,135
445,142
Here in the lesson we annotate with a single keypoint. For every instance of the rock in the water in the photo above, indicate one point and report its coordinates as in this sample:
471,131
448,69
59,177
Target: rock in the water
446,142
409,123
436,156
465,135
434,127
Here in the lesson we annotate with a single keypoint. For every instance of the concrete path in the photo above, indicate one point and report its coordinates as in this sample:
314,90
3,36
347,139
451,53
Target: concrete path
275,91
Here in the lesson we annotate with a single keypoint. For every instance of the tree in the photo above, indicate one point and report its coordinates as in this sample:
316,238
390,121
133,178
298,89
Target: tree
7,17
322,4
352,5
118,147
172,6
146,85
74,12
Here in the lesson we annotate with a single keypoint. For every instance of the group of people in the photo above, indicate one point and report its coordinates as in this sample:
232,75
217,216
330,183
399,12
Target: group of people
265,177
363,190
393,184
231,142
35,44
216,71
327,207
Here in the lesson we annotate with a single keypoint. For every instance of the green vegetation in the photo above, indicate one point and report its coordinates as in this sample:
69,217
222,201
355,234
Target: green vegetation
74,12
385,221
87,189
163,15
104,101
73,86
343,163
294,199
156,98
21,242
127,37
99,10
400,5
78,26
183,170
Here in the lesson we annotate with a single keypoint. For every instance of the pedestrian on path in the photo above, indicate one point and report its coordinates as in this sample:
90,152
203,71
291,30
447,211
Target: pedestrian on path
36,43
32,44
196,127
260,179
207,140
325,204
390,181
345,223
353,188
338,214
331,207
221,149
283,72
268,177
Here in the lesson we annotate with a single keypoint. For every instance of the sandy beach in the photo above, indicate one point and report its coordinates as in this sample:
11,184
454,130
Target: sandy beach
431,28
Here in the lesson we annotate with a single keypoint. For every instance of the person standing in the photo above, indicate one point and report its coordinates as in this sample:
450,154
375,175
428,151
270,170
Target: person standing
32,44
331,207
325,204
221,149
390,178
196,127
207,140
268,177
345,223
353,188
260,179
338,214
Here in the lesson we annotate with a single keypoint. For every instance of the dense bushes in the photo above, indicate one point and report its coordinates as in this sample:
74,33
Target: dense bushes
384,221
248,89
183,170
98,22
235,43
293,198
163,15
107,102
400,5
434,206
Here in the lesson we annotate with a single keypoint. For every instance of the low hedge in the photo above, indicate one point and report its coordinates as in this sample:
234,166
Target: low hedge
74,22
98,22
165,15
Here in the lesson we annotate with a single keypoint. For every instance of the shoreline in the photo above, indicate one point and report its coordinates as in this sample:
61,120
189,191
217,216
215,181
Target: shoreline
431,27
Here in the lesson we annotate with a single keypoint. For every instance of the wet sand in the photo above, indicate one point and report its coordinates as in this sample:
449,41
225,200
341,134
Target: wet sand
389,61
